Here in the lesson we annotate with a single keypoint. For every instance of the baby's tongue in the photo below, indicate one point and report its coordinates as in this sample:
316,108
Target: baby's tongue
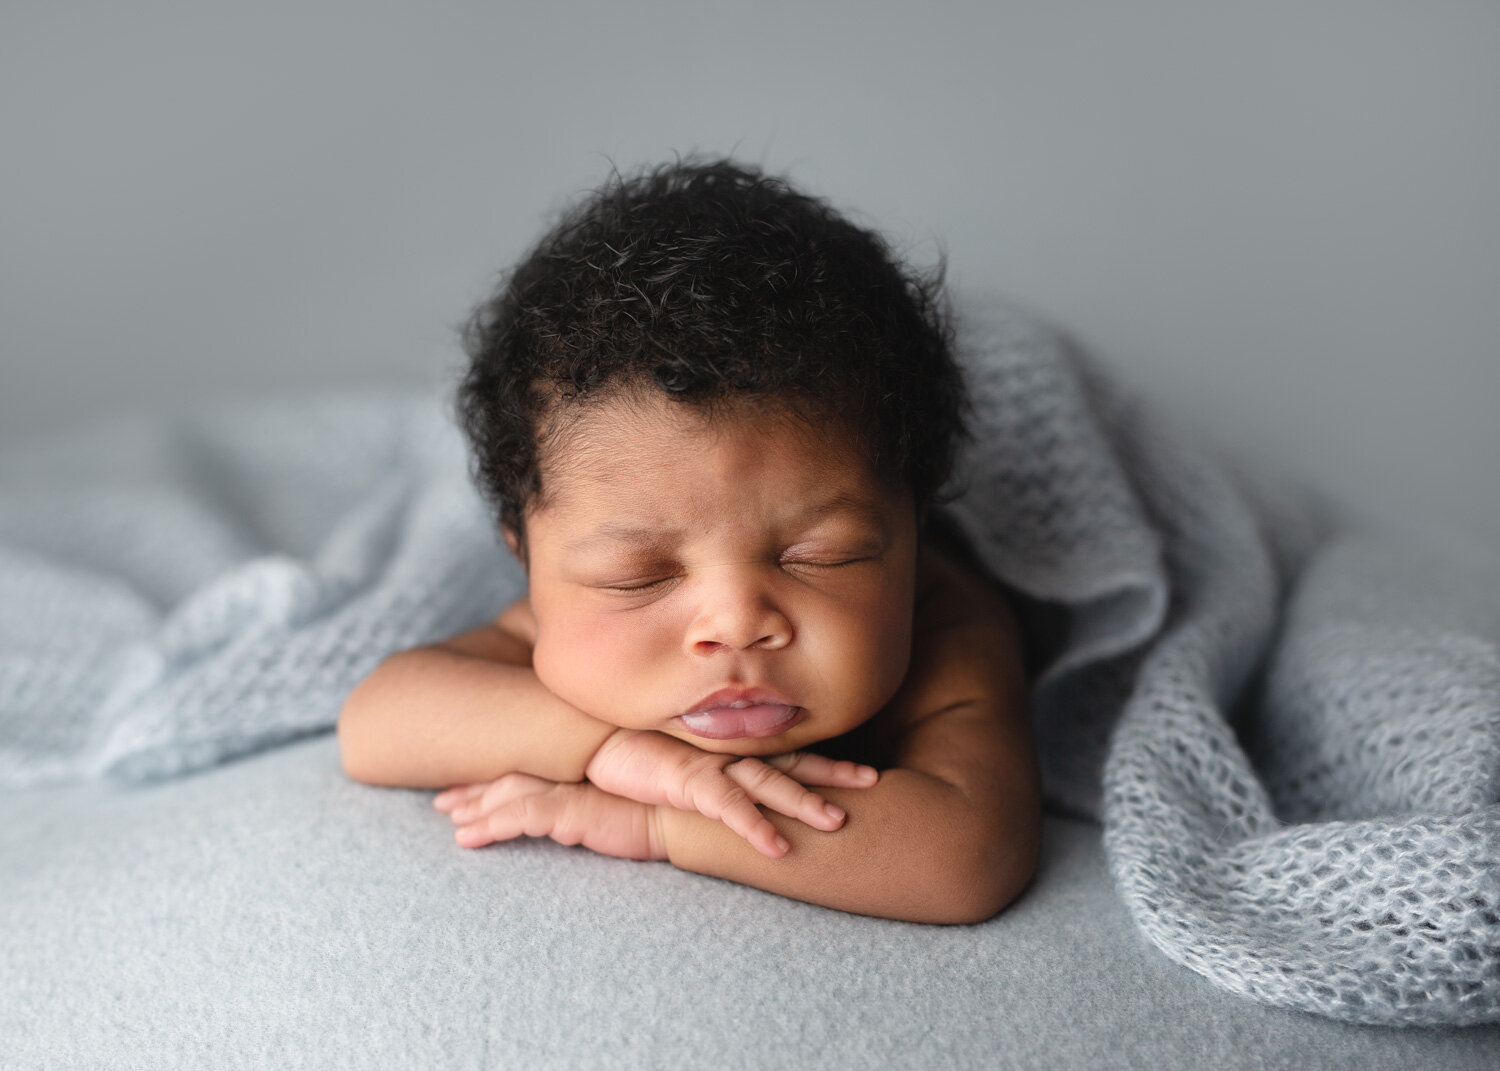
722,723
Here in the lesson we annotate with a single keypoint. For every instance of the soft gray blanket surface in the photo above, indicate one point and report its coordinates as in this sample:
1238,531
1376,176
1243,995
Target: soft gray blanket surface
1289,727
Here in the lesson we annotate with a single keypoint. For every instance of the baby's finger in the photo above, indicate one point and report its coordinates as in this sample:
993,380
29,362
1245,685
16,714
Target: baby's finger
523,814
770,787
498,793
809,769
744,818
457,795
492,827
715,792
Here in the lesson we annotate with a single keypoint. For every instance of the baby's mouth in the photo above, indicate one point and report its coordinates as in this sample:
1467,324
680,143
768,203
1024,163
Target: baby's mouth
741,718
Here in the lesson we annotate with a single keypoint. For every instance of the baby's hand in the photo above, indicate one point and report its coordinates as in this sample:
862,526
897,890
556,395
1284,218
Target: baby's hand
654,768
519,804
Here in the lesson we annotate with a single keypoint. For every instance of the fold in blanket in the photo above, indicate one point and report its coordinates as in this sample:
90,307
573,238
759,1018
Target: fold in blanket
1290,728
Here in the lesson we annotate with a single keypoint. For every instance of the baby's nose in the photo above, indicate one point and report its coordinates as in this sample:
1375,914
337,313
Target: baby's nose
738,617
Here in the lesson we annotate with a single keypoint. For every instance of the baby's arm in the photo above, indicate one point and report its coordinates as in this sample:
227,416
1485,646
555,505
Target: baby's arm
471,709
467,709
949,834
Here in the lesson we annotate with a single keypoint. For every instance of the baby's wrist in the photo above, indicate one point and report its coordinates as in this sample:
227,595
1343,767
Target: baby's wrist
685,838
657,836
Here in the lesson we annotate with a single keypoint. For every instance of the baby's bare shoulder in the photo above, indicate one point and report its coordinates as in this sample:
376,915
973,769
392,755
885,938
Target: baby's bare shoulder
955,594
966,644
961,715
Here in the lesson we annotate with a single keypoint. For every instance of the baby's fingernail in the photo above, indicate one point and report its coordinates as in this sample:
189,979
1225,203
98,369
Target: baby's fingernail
836,813
782,845
868,773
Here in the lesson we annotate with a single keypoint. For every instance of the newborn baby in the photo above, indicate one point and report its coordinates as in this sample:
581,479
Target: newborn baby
714,417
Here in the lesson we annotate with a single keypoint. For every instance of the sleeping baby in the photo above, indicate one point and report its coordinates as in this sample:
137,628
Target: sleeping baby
713,417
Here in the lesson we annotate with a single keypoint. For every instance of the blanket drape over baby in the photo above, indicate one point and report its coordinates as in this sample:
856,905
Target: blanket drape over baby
1290,728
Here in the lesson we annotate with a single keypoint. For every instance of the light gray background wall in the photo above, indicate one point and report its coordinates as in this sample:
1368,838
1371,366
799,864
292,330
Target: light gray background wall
1283,216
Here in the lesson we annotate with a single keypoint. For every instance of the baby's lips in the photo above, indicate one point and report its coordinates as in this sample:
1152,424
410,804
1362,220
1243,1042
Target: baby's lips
739,695
732,723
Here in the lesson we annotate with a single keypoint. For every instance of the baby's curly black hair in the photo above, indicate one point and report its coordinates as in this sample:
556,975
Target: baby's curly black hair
711,282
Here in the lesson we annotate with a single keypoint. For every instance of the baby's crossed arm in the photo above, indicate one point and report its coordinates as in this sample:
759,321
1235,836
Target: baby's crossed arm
948,834
617,810
470,712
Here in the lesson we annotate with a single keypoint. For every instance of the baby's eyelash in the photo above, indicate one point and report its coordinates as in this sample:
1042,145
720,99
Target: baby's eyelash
639,587
804,563
647,587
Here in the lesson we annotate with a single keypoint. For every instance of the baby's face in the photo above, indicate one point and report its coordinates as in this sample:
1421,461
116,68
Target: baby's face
744,584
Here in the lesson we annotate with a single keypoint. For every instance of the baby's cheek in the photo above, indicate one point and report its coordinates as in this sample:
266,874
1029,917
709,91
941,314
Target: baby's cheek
883,651
587,662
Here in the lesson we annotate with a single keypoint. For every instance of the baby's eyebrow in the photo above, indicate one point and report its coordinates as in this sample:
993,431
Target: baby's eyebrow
845,502
619,532
615,532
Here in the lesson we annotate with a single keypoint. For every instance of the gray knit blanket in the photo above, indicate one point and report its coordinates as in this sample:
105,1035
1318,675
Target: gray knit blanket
1289,726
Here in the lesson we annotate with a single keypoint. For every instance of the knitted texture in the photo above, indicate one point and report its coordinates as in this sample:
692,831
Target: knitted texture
1290,728
178,593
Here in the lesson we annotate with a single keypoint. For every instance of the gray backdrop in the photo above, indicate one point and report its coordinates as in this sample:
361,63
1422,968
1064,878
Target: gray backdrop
1282,216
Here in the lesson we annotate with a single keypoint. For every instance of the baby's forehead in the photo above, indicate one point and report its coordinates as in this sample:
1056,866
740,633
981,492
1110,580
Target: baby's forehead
642,423
648,446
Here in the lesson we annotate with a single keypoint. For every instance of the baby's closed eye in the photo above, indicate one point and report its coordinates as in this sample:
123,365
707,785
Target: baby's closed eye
639,586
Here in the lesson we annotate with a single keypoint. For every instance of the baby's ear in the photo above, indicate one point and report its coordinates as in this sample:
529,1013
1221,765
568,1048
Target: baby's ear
515,542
